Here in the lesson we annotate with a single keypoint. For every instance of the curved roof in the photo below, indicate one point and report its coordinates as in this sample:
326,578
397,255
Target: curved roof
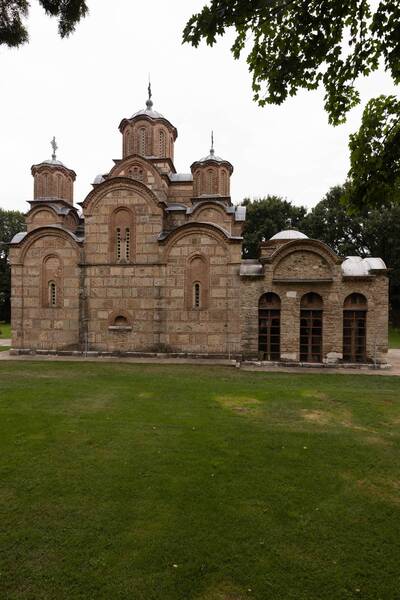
355,266
148,112
289,234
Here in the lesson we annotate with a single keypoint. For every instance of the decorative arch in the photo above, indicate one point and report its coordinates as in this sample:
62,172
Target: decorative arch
197,282
118,184
51,281
311,330
269,326
355,307
51,230
122,235
195,228
211,186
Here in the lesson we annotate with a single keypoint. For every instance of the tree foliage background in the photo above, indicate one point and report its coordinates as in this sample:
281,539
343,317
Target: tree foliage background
13,13
11,222
306,44
371,233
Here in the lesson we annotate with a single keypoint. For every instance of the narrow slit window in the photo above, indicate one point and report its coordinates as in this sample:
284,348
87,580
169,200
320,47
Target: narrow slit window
142,141
127,243
52,294
196,295
118,243
163,145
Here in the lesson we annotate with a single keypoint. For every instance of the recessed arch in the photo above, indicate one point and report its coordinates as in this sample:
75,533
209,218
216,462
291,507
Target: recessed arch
122,235
269,326
355,308
311,327
197,281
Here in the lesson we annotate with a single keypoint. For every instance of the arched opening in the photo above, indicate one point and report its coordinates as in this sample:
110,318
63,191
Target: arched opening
355,328
162,144
211,181
51,282
122,236
197,283
311,318
142,141
121,321
269,326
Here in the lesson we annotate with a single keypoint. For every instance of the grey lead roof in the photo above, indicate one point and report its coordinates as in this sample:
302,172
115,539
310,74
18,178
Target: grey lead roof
181,177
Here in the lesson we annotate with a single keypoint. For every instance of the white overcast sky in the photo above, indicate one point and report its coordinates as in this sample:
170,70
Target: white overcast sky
80,88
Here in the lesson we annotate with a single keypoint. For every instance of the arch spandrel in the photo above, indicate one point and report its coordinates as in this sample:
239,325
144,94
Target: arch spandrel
300,260
47,240
193,235
125,191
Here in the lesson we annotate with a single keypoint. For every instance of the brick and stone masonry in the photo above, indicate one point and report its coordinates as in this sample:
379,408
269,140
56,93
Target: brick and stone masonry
153,264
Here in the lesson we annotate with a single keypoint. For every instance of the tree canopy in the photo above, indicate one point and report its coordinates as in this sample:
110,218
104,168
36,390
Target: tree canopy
13,31
305,43
11,222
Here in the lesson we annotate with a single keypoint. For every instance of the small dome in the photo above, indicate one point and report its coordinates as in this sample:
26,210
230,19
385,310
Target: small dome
355,266
213,157
98,179
148,112
289,234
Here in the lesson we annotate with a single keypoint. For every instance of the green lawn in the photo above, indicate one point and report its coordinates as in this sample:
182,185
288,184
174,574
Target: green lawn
4,348
394,337
148,482
5,331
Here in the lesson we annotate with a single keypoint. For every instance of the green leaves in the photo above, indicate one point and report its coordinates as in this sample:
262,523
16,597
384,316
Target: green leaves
14,33
299,45
374,176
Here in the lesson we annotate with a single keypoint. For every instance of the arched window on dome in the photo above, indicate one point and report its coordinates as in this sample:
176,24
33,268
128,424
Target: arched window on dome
197,184
211,180
46,186
224,183
142,141
162,144
59,186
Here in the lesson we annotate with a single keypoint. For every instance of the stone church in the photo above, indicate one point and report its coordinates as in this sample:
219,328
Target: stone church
152,263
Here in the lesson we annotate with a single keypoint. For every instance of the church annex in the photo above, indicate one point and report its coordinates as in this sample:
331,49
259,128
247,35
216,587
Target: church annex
153,264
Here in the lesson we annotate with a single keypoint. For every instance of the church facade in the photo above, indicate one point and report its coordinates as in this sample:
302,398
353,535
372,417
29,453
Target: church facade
153,264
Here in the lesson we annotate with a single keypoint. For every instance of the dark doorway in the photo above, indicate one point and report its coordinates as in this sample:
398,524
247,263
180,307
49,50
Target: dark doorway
355,328
269,327
311,312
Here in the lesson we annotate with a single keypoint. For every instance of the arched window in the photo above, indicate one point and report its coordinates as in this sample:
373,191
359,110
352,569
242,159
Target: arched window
52,299
355,328
211,181
120,321
142,141
162,143
197,184
59,193
197,283
51,281
122,235
224,187
311,313
269,326
45,185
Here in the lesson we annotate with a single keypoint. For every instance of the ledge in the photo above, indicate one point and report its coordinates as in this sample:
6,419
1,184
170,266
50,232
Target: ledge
120,328
301,280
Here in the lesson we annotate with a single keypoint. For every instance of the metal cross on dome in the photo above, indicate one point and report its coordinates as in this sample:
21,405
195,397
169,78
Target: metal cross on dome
54,146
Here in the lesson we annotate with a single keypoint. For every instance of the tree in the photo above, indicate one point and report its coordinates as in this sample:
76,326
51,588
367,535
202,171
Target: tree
11,222
374,176
307,43
371,233
330,222
265,217
12,12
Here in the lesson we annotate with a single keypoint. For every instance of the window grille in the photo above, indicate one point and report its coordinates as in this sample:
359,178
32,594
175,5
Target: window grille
52,294
196,295
127,243
118,243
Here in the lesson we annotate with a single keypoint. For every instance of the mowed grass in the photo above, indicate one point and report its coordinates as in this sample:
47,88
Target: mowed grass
5,331
149,482
394,337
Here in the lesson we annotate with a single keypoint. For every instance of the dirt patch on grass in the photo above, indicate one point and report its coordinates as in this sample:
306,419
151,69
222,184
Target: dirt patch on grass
316,416
240,404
